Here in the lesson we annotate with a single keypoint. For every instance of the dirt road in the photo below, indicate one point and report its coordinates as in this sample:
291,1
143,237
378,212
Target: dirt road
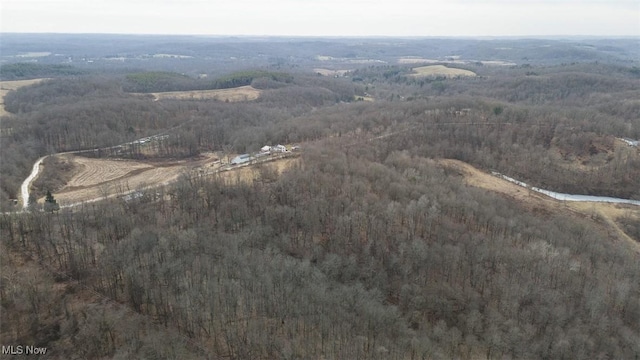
604,214
24,188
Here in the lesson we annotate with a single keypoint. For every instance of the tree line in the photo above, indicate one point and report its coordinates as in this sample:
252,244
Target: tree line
166,81
19,71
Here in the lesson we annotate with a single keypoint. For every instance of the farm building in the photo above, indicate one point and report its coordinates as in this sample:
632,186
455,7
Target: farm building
241,159
279,148
265,149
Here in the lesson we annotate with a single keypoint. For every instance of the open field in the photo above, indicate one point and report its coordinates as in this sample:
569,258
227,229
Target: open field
99,178
242,93
604,214
96,171
440,70
6,86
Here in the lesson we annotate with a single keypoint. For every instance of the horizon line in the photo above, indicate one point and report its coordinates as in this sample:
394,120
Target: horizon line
372,36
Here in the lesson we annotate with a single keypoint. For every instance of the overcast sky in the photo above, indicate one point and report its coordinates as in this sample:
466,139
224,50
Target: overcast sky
325,17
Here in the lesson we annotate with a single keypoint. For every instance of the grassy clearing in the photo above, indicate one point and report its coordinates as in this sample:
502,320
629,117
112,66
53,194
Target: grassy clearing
242,93
440,70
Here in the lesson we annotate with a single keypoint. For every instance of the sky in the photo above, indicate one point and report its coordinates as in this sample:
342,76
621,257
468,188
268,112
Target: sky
325,17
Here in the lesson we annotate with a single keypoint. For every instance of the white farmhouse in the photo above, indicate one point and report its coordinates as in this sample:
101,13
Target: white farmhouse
279,148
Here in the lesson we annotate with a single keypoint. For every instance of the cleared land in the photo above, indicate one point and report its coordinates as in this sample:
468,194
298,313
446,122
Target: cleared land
440,70
242,93
6,86
96,179
99,178
97,171
606,214
250,173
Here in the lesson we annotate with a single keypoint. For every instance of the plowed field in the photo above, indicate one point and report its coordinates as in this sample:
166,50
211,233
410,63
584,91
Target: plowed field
97,171
97,179
100,178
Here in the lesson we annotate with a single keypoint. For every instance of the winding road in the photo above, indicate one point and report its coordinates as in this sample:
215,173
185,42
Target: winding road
26,184
24,188
36,170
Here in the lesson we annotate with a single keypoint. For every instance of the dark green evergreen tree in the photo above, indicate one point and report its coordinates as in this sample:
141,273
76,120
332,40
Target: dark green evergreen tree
50,203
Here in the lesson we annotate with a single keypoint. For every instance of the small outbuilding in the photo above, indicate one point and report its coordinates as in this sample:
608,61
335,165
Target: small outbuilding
241,159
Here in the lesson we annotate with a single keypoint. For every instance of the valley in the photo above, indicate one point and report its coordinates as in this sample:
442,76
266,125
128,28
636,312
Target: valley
192,197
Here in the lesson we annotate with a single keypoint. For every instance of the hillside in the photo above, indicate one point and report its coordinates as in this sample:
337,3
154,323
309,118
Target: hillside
382,232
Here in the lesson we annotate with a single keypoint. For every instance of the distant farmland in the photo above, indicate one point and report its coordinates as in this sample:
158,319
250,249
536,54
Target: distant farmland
97,179
440,70
6,86
242,93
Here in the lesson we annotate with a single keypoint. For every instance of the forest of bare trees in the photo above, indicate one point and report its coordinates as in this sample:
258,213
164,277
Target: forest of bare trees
64,115
366,248
366,254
